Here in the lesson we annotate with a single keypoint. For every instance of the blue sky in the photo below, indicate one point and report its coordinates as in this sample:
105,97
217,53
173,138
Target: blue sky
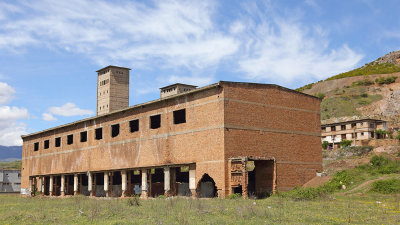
50,50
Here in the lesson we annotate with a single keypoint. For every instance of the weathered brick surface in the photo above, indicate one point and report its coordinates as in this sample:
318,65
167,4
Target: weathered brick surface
222,121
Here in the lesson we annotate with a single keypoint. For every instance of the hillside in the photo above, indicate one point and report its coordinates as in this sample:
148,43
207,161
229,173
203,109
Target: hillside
370,91
10,153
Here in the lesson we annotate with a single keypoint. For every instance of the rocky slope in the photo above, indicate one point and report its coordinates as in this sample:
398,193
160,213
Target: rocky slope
362,96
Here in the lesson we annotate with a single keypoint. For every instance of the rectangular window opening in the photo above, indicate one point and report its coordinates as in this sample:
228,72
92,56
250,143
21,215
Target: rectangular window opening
46,144
134,125
70,139
155,121
114,130
99,133
58,142
343,127
36,146
84,136
180,116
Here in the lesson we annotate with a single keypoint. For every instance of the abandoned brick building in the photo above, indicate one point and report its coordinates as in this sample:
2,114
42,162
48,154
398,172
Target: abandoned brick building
216,140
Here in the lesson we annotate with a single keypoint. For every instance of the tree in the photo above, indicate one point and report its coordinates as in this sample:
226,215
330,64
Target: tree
345,143
325,145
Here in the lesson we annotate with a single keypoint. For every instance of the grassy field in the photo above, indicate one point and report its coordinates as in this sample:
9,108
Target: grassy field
336,209
10,165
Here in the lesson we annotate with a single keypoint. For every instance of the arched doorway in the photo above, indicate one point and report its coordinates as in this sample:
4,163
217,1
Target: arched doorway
206,187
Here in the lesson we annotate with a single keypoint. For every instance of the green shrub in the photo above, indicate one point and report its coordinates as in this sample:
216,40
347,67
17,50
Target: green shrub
325,145
365,82
364,95
387,80
361,150
369,69
345,143
305,87
235,196
321,96
398,136
386,186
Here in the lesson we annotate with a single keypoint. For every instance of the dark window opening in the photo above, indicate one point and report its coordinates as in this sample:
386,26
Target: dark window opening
46,144
353,125
99,133
58,142
180,116
114,130
134,125
117,178
155,121
333,128
84,136
36,146
343,127
70,139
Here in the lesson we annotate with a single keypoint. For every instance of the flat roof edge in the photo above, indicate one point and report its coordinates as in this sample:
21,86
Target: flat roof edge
122,110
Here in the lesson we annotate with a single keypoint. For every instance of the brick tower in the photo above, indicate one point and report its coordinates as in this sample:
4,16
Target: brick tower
112,89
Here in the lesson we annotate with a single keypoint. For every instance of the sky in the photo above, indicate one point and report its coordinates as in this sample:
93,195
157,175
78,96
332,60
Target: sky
50,50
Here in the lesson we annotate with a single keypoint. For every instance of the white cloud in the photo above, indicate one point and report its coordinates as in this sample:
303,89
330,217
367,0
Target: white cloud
10,129
171,33
48,117
286,51
68,109
11,134
6,92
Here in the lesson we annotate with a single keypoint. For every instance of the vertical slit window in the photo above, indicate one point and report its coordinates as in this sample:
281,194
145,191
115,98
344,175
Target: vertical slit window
70,139
134,125
99,133
114,130
58,142
84,136
46,144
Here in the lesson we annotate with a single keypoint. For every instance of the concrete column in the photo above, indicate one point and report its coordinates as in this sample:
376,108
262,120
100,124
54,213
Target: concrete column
106,182
192,180
167,181
124,181
62,185
41,185
51,185
144,184
90,183
75,184
30,186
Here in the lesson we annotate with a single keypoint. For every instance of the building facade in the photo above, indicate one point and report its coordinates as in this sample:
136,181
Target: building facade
216,140
355,130
10,180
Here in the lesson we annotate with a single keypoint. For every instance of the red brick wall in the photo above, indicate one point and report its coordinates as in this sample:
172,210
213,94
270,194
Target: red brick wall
274,123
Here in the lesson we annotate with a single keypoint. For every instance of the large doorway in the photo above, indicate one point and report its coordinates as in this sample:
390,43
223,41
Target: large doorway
261,179
206,187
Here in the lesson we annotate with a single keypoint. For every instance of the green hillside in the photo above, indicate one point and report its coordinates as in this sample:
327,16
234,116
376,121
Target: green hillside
369,69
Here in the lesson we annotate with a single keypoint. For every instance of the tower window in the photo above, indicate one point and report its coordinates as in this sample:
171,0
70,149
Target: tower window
134,125
155,121
114,130
99,133
58,142
70,139
180,116
84,136
46,144
36,146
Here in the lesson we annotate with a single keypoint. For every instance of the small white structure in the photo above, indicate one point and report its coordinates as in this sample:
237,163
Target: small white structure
10,181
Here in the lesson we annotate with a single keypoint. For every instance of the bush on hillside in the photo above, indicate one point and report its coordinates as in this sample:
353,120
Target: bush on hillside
325,145
369,69
360,150
387,80
321,96
345,143
364,82
386,186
